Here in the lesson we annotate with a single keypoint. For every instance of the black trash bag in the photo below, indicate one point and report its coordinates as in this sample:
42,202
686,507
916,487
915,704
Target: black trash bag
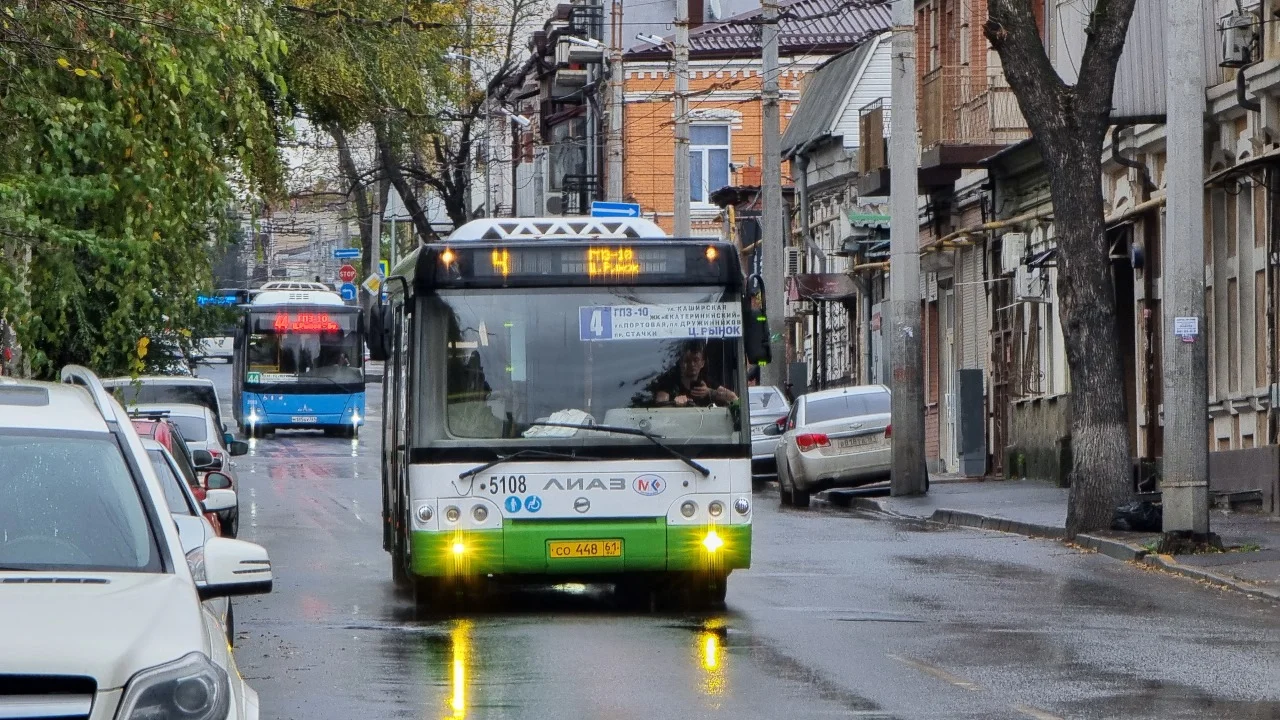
1138,517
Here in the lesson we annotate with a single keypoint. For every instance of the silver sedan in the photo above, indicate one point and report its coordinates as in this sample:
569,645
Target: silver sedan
834,438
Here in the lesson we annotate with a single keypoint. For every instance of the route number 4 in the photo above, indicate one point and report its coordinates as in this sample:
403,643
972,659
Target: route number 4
597,322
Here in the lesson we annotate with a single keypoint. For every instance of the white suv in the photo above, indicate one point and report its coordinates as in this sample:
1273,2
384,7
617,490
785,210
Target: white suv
102,611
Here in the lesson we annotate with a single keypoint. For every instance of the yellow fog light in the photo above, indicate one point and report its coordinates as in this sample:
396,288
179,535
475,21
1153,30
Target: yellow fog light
712,542
459,548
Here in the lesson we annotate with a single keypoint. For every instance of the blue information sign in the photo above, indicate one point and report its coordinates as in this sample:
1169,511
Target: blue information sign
599,208
346,253
348,291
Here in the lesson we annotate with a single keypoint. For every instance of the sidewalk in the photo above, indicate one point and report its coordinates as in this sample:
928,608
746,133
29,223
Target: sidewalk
1039,509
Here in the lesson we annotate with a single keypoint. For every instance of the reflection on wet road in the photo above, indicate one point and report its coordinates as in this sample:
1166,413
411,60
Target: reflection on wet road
840,616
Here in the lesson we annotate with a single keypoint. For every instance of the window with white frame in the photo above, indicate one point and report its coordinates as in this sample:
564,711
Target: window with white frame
708,161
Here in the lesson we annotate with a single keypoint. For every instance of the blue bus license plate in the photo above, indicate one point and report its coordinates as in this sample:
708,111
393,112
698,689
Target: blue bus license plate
303,418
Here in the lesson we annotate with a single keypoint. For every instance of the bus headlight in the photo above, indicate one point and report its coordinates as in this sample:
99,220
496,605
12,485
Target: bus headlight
716,508
452,514
480,512
425,513
742,505
688,508
355,417
712,542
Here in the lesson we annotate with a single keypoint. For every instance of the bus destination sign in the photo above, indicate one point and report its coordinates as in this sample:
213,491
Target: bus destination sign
593,262
305,323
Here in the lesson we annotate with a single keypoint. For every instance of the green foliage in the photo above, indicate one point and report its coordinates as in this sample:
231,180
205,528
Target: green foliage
124,129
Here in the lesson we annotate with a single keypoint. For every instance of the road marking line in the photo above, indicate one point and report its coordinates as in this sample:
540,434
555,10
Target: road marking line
935,671
1036,713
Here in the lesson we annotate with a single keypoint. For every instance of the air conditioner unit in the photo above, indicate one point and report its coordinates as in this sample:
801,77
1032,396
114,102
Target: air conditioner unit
1030,284
795,261
1014,246
1237,39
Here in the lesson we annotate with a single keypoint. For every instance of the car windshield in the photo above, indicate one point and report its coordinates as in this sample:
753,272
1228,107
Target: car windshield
173,493
765,400
194,428
68,502
304,347
844,406
665,360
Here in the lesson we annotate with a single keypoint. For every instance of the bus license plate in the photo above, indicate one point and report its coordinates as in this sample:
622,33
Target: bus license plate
560,549
303,418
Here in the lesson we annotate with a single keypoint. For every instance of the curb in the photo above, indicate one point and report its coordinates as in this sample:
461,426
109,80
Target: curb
1110,547
1166,562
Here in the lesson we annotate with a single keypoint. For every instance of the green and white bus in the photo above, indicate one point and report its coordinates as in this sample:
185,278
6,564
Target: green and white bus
538,421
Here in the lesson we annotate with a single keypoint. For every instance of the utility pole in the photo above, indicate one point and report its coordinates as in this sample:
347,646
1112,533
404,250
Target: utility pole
617,102
1186,442
909,476
773,240
681,55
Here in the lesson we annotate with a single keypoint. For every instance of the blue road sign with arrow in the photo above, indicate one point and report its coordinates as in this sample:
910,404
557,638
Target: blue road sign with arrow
348,291
599,208
346,253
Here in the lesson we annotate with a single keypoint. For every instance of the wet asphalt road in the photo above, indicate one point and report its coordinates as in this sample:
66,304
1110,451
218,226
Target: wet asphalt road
842,615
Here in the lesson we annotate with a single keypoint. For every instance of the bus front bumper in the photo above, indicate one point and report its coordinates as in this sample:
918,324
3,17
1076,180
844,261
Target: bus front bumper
524,548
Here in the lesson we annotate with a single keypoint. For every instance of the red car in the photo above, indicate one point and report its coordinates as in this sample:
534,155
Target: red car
167,434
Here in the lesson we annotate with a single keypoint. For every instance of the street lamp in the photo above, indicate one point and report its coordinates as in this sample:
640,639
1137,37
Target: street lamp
584,42
651,39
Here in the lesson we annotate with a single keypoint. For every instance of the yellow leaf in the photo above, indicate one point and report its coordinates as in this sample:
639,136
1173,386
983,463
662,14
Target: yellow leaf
137,118
155,235
128,152
81,72
63,63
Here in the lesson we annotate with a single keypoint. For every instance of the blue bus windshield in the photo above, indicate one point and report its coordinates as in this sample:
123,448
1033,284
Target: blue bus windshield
304,347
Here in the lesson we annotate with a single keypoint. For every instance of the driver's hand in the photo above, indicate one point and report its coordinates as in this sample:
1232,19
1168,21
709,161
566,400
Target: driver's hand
682,400
700,392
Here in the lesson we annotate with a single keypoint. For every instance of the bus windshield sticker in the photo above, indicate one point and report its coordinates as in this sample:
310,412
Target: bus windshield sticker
660,322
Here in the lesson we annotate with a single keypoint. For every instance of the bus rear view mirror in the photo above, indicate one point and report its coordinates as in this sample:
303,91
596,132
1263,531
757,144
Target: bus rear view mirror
755,328
376,336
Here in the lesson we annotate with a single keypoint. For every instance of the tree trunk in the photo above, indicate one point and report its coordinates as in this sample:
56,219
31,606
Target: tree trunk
357,191
1100,455
1069,123
394,171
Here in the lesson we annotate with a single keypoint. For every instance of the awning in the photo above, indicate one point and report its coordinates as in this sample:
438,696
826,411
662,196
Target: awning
1243,167
825,286
1044,257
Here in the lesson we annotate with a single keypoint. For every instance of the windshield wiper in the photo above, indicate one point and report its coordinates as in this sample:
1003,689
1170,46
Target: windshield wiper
638,432
527,452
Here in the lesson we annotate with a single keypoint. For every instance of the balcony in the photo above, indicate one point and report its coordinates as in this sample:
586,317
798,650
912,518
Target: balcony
964,118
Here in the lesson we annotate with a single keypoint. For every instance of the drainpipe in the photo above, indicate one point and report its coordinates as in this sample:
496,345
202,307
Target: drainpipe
801,160
1246,103
1129,162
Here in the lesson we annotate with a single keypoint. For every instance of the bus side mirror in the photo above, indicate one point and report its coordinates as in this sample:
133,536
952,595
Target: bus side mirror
376,334
755,331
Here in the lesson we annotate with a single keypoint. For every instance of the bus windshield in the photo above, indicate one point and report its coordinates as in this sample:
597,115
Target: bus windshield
530,367
292,347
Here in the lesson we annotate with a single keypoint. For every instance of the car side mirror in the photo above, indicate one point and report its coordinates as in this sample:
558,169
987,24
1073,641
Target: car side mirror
217,481
233,568
217,500
203,459
772,429
237,447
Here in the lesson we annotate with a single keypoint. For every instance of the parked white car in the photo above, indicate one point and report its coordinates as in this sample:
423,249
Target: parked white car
834,438
767,405
99,598
218,346
188,514
168,390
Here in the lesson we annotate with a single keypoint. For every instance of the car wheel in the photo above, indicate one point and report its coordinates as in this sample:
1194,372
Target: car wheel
800,498
232,523
784,493
231,624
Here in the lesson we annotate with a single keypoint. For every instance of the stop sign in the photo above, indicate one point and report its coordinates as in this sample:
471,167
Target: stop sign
347,273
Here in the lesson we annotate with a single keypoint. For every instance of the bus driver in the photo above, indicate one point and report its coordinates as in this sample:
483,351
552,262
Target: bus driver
687,384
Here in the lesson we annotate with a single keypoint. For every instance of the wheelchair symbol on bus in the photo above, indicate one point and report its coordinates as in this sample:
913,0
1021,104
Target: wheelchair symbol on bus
533,503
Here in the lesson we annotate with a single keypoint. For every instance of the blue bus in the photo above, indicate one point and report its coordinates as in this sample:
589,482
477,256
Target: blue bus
299,359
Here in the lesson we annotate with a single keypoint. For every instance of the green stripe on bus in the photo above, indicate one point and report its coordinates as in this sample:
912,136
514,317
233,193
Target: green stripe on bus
520,548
